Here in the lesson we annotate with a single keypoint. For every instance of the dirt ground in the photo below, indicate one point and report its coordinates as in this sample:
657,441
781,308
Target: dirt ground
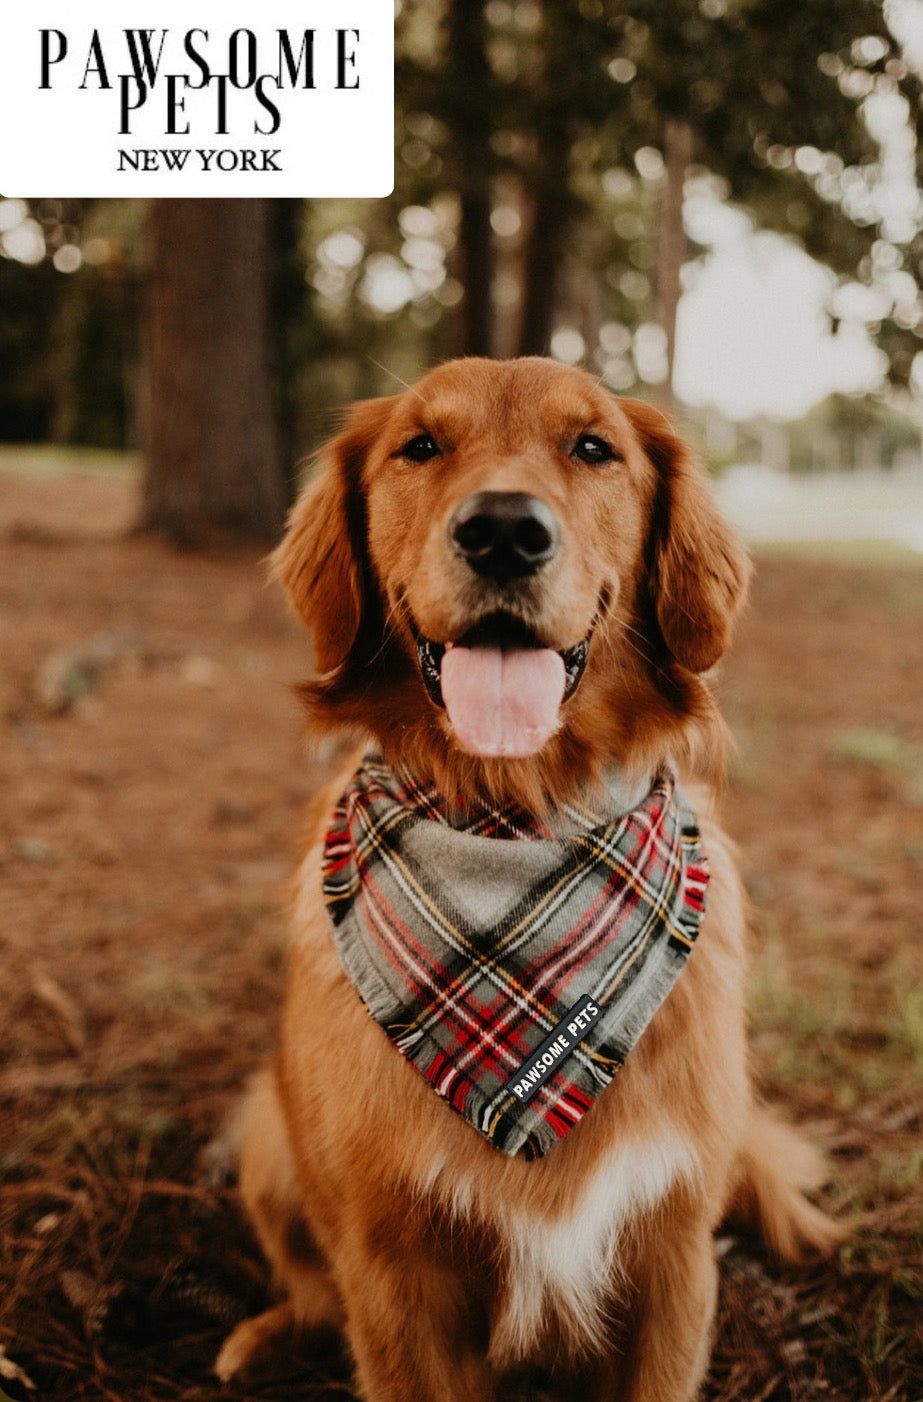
152,775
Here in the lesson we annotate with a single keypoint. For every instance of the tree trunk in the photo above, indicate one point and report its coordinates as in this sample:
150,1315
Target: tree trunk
552,226
471,124
477,270
677,140
213,471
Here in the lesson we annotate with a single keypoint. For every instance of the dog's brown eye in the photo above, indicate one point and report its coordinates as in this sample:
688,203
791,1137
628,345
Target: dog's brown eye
420,449
589,448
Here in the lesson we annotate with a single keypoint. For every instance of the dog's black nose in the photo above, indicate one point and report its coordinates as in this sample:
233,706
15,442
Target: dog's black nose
504,535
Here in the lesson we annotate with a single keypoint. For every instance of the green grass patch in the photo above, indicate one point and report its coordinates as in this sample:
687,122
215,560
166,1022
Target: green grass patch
885,1176
879,749
775,1003
874,747
161,989
113,1127
841,552
907,1027
46,461
757,738
830,1034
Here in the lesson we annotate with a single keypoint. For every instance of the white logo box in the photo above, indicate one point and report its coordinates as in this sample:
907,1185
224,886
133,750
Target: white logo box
148,98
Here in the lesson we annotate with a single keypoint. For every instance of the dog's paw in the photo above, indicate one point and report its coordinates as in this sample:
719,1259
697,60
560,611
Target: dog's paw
250,1338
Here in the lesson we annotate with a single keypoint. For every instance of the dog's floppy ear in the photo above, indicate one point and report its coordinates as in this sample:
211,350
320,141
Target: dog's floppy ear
699,570
321,561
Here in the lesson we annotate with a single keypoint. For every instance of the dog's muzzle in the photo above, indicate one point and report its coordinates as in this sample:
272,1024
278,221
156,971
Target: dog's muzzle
504,535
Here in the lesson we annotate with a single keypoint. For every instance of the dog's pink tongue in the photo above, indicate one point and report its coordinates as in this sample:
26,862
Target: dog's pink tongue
502,703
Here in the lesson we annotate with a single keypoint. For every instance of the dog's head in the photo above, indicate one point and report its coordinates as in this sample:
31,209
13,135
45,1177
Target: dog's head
512,578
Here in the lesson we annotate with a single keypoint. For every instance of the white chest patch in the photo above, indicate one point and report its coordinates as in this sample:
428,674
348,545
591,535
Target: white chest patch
565,1265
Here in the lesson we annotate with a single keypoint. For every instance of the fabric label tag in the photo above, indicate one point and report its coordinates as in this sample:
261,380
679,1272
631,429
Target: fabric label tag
556,1047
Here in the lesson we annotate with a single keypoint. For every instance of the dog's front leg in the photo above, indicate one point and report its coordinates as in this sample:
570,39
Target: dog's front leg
414,1333
669,1334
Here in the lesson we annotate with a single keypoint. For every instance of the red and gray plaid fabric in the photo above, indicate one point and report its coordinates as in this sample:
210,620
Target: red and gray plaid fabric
513,962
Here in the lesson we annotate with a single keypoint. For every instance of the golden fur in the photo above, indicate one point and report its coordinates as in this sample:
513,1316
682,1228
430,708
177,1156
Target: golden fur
381,1212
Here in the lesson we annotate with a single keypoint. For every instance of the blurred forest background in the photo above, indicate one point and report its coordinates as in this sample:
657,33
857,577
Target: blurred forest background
714,203
545,155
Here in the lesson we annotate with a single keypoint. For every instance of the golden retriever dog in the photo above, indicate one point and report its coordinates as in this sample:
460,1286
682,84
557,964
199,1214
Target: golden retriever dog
511,1104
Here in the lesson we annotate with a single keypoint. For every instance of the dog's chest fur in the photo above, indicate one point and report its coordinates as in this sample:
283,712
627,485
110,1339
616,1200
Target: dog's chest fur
562,1268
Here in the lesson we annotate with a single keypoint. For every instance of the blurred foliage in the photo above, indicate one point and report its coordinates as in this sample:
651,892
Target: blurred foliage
528,183
853,433
70,285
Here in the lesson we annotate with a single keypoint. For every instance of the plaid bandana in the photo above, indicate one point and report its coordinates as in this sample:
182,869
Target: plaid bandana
514,962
